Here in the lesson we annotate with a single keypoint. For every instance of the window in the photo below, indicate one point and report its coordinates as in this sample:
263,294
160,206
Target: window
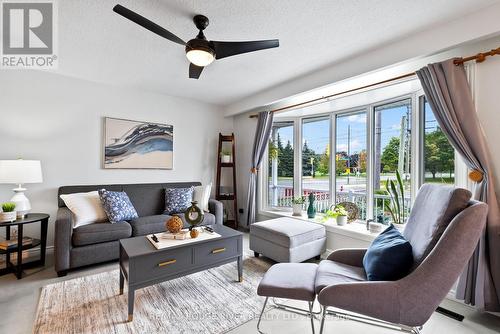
316,161
439,155
281,164
349,151
351,160
392,152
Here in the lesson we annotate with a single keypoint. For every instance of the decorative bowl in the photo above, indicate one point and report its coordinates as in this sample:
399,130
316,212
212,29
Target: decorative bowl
174,224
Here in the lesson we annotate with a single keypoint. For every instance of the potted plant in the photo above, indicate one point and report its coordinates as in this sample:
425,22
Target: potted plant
329,215
298,205
396,193
8,213
341,215
225,156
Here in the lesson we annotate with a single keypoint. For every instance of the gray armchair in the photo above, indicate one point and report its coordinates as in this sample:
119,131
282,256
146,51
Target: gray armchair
444,228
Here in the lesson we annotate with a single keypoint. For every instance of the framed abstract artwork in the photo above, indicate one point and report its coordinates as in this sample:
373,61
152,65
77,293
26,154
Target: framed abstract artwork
137,145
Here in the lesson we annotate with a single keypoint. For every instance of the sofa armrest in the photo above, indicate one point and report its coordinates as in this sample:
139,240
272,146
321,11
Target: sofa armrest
217,209
62,239
349,256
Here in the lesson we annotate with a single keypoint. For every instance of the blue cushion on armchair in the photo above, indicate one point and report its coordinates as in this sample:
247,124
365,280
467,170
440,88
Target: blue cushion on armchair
389,257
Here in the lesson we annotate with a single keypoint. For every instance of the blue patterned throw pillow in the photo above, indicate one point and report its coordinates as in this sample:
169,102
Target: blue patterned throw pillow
117,205
178,199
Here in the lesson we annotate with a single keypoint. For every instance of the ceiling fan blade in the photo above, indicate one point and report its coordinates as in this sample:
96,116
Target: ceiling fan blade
195,71
144,22
227,49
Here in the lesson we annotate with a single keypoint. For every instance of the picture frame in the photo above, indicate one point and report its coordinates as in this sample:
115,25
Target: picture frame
131,144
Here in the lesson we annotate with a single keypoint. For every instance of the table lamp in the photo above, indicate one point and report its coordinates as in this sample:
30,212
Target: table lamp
20,172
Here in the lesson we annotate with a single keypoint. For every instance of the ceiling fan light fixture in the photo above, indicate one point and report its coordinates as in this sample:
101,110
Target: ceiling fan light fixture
200,57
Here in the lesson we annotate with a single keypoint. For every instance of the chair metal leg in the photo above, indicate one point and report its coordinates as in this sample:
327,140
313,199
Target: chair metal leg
311,316
296,310
260,317
373,321
323,317
416,330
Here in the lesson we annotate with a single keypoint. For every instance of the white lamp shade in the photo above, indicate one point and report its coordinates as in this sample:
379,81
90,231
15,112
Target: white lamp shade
20,171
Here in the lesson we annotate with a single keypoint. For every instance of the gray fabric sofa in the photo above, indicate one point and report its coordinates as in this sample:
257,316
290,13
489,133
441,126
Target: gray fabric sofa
95,243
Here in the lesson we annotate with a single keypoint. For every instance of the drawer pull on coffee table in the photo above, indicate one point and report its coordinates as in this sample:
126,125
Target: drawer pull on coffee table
218,250
166,263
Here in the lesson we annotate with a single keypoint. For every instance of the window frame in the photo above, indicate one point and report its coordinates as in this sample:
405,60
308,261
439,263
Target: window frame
417,161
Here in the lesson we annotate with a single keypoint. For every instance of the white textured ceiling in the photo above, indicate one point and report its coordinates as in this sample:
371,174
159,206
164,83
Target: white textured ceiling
98,45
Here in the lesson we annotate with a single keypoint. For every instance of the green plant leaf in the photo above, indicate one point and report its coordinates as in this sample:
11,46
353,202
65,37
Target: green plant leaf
401,188
8,206
392,213
396,201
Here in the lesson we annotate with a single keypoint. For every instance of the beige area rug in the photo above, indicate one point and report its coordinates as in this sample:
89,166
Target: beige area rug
206,302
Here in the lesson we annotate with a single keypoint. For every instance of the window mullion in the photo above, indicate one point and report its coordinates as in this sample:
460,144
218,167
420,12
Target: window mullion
333,154
417,138
370,170
297,165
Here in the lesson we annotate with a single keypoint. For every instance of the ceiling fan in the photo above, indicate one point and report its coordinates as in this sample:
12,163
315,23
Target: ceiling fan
199,51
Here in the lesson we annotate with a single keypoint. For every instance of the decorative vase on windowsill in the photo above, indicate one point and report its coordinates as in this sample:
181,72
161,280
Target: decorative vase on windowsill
311,210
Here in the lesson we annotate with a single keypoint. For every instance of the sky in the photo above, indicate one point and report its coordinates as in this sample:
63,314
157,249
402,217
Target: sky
317,133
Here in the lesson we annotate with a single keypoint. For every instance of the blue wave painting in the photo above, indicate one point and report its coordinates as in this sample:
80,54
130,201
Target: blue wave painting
132,144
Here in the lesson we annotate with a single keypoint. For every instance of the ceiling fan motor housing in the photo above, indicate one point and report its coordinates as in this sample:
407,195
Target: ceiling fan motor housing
201,21
199,44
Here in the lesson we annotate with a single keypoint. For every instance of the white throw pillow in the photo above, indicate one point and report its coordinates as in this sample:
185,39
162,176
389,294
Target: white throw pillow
201,195
86,208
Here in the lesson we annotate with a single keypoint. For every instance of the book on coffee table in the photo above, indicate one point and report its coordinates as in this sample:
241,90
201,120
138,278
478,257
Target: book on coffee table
166,239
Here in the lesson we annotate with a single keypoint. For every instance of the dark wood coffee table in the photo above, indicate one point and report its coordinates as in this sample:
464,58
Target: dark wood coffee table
142,265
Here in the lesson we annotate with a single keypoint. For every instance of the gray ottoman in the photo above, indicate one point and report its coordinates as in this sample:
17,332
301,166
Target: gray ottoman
287,239
289,281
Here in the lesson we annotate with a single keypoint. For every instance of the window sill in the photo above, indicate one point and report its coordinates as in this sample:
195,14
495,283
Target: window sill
356,230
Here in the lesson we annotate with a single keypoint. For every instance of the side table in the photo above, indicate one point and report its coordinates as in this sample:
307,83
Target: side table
42,242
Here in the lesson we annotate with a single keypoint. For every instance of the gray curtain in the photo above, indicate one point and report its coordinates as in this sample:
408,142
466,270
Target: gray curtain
448,92
262,133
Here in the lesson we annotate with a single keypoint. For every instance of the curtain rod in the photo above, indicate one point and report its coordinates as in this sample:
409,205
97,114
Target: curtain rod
479,58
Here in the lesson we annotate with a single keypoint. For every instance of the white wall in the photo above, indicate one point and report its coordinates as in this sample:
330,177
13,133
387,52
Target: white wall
244,131
446,36
59,120
487,89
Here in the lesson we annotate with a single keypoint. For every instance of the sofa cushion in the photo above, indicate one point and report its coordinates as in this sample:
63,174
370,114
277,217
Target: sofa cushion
331,273
177,200
85,207
289,280
201,195
117,205
100,232
208,220
148,224
147,199
288,232
389,257
434,208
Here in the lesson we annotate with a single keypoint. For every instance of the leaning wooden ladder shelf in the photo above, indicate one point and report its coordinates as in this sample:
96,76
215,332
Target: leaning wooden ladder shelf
232,164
